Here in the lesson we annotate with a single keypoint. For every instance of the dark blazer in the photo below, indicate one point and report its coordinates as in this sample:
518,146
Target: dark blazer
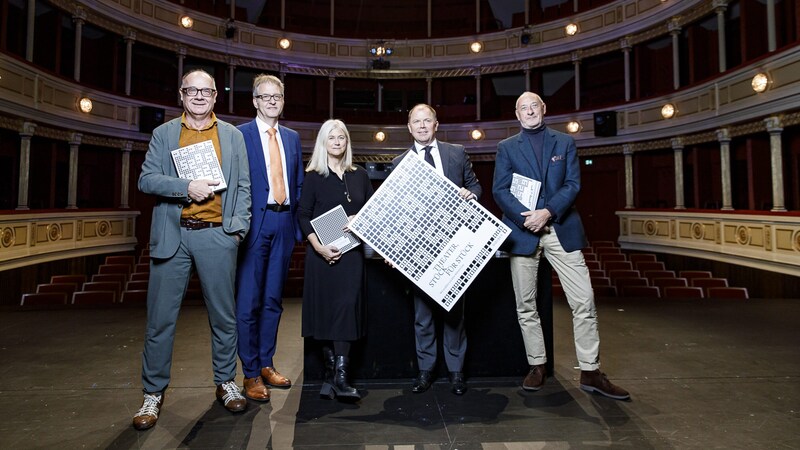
561,181
260,179
159,178
456,166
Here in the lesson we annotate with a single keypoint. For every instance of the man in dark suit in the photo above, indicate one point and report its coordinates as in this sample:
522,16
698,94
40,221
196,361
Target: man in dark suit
276,173
450,161
552,228
193,226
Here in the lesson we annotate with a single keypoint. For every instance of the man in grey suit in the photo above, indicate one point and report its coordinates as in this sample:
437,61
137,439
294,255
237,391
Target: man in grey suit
450,161
552,228
193,225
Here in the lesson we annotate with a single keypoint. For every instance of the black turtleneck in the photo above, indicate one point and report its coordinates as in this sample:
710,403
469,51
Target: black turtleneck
535,137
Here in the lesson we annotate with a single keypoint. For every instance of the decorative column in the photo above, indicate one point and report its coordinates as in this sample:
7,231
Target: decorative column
430,17
771,36
625,45
29,34
774,127
477,93
724,138
720,6
24,164
677,149
283,14
181,57
627,150
126,148
675,30
380,97
130,38
331,79
332,10
282,75
429,82
576,61
72,192
78,19
231,69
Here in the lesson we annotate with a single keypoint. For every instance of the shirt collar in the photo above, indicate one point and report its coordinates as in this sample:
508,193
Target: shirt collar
211,124
262,126
418,147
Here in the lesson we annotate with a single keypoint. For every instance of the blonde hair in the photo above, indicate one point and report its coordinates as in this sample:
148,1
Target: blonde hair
264,78
319,159
421,106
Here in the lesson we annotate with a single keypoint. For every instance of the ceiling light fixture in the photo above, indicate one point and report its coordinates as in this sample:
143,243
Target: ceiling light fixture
186,22
85,104
476,47
284,43
760,82
571,29
668,111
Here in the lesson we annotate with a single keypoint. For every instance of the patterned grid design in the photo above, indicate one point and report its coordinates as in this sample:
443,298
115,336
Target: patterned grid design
414,215
328,228
199,161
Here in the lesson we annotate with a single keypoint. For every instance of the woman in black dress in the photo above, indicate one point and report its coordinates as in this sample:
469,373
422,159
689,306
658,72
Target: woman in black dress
333,309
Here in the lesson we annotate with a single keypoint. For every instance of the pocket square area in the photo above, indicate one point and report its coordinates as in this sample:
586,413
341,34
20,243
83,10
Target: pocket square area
557,158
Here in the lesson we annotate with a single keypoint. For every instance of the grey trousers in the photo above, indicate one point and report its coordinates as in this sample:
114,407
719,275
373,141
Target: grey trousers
213,253
454,339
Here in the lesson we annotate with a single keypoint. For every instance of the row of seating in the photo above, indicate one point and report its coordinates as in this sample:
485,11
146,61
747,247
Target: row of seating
615,273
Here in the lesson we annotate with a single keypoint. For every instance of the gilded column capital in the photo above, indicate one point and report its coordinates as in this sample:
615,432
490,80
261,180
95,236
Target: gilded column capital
724,135
28,128
674,25
75,138
677,143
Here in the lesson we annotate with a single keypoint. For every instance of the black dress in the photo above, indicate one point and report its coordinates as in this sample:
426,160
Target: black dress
332,304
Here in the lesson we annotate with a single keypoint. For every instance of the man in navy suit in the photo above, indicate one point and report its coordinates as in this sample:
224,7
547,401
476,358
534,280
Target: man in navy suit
276,174
451,161
552,228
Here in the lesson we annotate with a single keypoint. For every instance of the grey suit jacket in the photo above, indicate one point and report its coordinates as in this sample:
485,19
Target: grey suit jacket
456,166
172,193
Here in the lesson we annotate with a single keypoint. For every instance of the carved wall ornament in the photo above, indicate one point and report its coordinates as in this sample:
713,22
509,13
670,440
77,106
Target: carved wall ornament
7,237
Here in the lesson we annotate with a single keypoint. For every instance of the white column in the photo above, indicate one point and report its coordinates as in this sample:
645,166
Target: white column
126,148
627,150
380,96
24,164
30,31
181,57
774,127
72,189
720,6
130,38
677,148
231,84
625,45
78,19
576,61
283,14
282,76
477,93
331,79
724,138
771,36
675,31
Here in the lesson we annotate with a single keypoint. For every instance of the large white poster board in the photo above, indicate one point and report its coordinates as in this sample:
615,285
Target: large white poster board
419,223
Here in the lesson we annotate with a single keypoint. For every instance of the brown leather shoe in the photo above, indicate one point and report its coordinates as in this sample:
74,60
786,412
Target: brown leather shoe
254,389
228,393
596,381
274,379
534,380
148,413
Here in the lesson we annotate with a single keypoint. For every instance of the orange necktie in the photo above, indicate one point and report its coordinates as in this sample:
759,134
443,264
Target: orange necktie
275,168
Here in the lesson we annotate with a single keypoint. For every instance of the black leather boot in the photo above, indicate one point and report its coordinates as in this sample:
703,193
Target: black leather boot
327,383
341,388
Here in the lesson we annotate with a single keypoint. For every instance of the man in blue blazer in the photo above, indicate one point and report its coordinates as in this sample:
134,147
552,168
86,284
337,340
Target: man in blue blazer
276,174
552,228
453,162
193,225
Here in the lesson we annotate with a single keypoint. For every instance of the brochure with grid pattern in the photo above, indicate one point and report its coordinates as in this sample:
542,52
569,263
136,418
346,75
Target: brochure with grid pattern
199,162
328,228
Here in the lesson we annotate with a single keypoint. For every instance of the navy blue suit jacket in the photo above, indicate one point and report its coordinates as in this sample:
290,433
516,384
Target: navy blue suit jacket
560,175
259,179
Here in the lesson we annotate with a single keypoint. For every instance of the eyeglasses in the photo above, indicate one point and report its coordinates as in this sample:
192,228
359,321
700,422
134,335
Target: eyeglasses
267,97
534,105
192,91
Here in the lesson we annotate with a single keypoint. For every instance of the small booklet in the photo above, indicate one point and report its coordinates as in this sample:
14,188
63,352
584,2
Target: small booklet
328,228
526,190
199,162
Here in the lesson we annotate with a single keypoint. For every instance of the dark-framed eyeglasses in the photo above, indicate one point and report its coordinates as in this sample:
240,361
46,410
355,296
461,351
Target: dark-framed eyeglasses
192,91
267,97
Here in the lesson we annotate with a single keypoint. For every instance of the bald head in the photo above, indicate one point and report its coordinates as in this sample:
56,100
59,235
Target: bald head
530,110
